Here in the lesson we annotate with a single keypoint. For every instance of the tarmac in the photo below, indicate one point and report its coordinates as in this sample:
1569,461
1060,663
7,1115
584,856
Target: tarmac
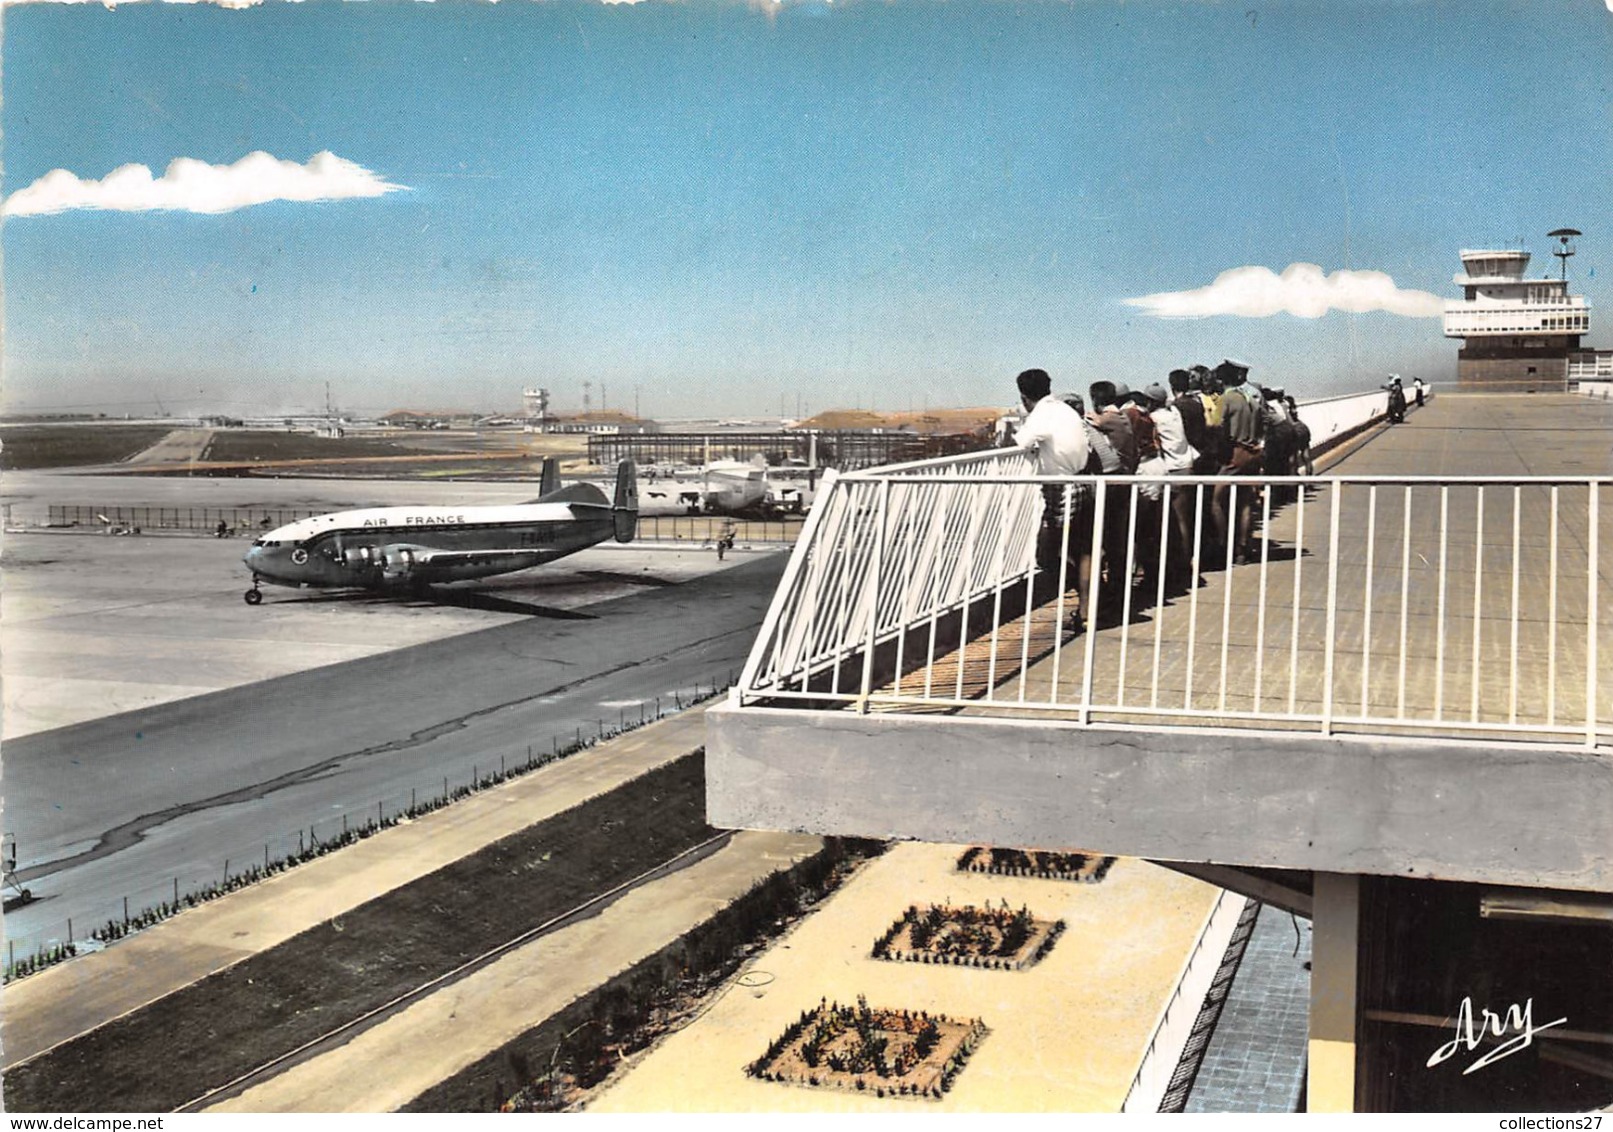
96,624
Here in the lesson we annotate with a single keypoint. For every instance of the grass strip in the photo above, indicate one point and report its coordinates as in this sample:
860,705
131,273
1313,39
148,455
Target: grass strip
207,1034
71,446
233,445
553,1065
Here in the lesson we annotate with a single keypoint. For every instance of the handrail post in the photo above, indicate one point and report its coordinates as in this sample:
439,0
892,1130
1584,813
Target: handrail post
1593,566
873,595
1332,608
1089,616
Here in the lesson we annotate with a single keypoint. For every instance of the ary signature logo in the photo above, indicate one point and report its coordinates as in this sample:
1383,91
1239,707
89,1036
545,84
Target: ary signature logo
1516,1024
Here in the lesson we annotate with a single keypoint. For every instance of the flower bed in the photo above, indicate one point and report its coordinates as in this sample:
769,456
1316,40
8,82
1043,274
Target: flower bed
1084,868
995,938
889,1053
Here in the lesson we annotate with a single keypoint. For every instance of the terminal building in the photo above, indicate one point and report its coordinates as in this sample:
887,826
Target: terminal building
1396,722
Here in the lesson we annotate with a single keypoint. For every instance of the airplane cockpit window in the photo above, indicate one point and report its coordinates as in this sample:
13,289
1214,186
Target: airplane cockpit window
260,542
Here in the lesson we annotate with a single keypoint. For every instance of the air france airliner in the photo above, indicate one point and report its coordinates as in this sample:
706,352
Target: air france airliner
389,548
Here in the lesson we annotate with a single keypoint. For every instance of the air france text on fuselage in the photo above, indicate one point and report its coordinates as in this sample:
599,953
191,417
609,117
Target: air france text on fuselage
418,521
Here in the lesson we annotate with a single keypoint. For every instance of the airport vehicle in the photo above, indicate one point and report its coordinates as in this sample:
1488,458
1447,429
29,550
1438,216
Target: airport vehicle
409,548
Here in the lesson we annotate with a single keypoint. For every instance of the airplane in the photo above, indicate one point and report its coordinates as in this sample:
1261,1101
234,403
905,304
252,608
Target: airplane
725,487
732,486
390,548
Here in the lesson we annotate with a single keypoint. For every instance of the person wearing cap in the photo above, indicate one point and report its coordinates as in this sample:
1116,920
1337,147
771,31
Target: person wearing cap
1245,438
1135,405
1053,433
1397,400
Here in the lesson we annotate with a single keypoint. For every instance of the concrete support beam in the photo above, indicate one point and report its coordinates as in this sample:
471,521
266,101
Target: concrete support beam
1531,817
1335,947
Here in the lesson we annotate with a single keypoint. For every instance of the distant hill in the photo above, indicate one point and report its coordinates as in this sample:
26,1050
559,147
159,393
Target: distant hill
932,422
601,416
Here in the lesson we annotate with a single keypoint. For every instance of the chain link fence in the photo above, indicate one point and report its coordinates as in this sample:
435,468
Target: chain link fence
230,521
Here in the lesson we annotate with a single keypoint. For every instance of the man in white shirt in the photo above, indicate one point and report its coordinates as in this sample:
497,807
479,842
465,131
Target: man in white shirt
1054,433
1052,430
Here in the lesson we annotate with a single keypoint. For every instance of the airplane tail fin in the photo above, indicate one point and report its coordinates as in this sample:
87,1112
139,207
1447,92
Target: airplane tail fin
624,509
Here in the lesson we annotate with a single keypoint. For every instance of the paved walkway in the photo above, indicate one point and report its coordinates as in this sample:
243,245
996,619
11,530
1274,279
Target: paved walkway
1256,1060
62,1002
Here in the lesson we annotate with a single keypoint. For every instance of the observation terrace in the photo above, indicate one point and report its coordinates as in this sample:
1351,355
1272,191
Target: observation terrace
1409,680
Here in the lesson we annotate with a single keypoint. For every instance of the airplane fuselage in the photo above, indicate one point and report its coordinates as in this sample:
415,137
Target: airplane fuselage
395,547
414,545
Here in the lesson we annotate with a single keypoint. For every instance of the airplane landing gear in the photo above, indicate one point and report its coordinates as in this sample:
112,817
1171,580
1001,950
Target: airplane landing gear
254,595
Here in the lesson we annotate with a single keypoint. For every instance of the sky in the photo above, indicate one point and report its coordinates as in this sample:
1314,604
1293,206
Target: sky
737,207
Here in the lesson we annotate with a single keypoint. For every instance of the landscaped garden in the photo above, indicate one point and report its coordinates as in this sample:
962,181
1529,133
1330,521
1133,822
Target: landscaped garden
1085,868
996,938
888,1053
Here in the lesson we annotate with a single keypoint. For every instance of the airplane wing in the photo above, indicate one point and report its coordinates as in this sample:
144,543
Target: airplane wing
468,557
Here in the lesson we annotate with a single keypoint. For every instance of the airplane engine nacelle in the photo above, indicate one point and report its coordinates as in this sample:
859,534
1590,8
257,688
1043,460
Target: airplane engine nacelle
358,557
397,561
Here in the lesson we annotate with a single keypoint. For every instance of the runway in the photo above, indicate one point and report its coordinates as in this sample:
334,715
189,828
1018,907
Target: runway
127,805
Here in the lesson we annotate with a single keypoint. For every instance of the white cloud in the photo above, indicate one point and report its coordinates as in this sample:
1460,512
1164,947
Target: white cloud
115,3
1302,290
189,185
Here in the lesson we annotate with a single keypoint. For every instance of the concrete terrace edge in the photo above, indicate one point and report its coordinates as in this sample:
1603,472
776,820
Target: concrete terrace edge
1441,810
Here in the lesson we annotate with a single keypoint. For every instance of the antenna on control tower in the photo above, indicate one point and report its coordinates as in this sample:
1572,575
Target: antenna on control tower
1564,235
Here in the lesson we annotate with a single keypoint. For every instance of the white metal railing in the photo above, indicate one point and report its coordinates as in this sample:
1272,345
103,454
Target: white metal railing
960,535
1168,1041
1590,365
1414,605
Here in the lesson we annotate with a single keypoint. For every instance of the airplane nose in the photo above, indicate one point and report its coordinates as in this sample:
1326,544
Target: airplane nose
252,555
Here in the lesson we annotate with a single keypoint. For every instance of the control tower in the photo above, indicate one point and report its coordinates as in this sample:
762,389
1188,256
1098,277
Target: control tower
1517,333
536,403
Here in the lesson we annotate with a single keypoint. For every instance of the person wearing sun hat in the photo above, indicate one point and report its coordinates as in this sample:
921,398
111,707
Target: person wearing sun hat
1245,427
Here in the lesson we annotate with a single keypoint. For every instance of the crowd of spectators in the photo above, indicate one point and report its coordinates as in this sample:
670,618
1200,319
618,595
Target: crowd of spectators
1208,422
